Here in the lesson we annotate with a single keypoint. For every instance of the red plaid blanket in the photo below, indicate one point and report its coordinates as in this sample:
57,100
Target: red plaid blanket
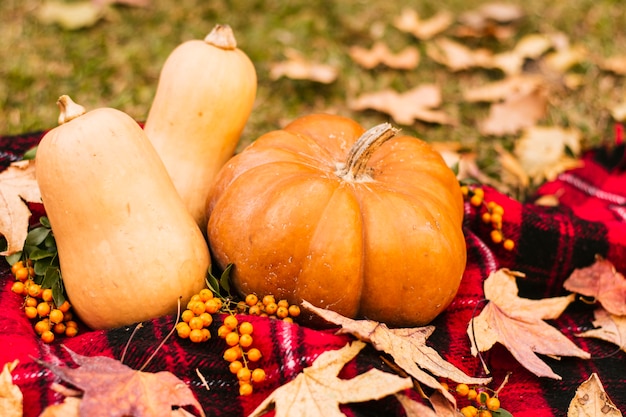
550,243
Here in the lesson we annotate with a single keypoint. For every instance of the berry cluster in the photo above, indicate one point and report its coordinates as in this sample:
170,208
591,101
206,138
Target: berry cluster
493,215
39,306
197,317
484,403
240,353
267,306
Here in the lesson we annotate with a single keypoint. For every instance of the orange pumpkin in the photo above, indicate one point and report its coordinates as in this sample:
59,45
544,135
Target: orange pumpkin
366,224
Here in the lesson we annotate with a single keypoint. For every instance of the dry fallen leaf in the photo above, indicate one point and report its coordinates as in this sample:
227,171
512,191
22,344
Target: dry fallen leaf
17,184
409,21
70,16
297,67
591,400
318,392
609,327
11,397
501,89
380,53
407,347
516,112
543,151
618,111
441,407
616,64
456,56
563,59
518,324
601,281
415,104
125,391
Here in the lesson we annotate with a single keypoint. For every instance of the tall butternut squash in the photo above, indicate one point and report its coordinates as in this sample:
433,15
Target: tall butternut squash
128,248
204,97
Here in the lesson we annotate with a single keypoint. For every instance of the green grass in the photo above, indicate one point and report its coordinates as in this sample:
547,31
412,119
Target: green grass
116,63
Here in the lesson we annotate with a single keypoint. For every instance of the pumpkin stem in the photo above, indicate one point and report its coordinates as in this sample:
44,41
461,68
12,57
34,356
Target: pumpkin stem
222,36
355,168
69,109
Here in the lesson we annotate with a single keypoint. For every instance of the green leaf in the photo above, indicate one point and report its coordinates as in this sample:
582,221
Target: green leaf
225,278
30,154
11,259
45,222
501,412
42,265
36,236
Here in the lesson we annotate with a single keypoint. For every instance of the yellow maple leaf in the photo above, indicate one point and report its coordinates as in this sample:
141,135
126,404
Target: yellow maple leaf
10,395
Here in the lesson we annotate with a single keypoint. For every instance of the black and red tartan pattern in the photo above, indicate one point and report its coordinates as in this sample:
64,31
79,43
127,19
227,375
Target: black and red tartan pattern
550,243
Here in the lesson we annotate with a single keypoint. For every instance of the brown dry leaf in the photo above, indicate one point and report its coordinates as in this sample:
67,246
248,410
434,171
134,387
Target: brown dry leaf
70,407
518,324
380,53
441,407
11,398
415,104
515,113
591,400
542,151
615,64
456,56
491,19
297,67
501,89
563,59
609,327
409,21
17,185
601,281
618,111
126,391
318,392
407,347
513,174
70,16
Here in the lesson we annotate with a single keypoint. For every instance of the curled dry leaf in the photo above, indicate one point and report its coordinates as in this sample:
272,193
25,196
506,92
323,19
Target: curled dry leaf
615,64
518,324
380,53
125,391
318,392
515,113
415,104
609,327
456,56
501,89
591,400
17,185
409,21
297,67
10,395
601,281
543,151
407,347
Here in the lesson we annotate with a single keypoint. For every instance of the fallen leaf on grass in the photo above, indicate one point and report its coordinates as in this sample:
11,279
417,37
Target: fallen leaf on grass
563,59
615,64
318,392
543,152
609,327
501,89
380,53
17,185
10,395
490,13
515,113
297,67
125,391
407,347
456,56
409,21
415,104
518,324
601,281
591,400
618,111
70,16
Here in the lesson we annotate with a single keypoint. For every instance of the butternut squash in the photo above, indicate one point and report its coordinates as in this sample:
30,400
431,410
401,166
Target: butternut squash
204,97
128,248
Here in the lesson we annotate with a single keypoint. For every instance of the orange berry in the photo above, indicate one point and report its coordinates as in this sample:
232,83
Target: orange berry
469,411
198,307
254,355
486,217
496,236
245,340
17,265
476,200
56,316
70,331
206,334
294,310
71,323
31,312
46,294
18,288
282,312
283,303
244,374
42,326
183,330
223,331
59,328
231,322
67,316
258,375
288,320
479,192
246,328
195,335
205,294
508,244
187,315
245,389
472,394
496,219
232,339
213,305
462,389
31,302
232,354
34,290
484,413
251,299
271,308
464,189
255,310
497,209
22,274
196,323
47,336
493,404
235,366
194,298
207,319
65,307
43,309
268,299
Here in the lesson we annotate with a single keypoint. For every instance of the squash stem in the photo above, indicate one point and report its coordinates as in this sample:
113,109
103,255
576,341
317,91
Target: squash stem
69,109
362,150
222,37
